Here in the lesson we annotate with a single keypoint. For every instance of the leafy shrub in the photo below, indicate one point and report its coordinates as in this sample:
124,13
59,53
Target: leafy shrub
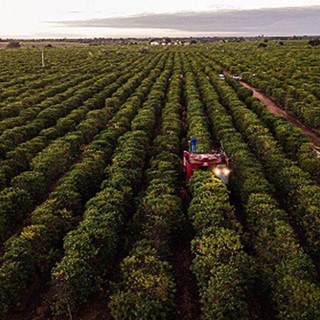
147,289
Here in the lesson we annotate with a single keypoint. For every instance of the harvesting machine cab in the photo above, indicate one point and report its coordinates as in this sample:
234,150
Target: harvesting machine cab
217,161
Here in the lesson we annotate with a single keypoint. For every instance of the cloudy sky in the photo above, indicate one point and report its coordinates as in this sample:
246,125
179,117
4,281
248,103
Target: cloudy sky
103,18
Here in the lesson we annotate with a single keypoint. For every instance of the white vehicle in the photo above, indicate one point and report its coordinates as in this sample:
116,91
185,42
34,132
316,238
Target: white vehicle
238,78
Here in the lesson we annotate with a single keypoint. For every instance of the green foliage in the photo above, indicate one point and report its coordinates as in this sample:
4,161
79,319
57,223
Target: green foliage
223,270
58,214
33,182
278,251
290,180
79,136
147,289
14,204
91,246
288,74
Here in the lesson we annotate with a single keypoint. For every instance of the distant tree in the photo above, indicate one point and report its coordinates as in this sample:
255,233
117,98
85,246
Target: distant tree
314,42
281,43
13,44
167,40
49,45
262,45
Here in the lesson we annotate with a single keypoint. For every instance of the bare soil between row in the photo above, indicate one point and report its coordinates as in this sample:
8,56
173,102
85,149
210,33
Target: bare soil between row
312,134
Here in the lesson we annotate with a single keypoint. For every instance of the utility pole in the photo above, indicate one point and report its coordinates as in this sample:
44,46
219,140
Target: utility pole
43,60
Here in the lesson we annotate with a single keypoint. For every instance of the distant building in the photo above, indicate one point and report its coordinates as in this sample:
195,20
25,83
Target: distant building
154,43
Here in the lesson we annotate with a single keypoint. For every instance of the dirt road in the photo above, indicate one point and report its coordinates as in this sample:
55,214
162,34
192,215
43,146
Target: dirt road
312,134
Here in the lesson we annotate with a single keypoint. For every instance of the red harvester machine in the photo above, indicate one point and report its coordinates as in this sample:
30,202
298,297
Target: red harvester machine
217,161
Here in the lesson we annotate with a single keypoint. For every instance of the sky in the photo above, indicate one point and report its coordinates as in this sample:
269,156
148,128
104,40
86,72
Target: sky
141,18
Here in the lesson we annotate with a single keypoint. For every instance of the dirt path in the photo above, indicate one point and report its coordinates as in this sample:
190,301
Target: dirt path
187,297
312,134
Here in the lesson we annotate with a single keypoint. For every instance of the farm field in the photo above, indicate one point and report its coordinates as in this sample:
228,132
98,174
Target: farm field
289,72
92,221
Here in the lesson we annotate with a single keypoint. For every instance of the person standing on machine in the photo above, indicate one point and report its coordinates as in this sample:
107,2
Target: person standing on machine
193,145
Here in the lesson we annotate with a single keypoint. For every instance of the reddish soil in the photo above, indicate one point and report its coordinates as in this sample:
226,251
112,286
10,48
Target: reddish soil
313,134
187,299
187,296
25,310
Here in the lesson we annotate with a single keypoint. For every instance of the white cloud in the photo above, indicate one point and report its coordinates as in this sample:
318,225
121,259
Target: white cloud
275,21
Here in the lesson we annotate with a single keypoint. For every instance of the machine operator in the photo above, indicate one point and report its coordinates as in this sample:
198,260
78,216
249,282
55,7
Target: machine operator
193,145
